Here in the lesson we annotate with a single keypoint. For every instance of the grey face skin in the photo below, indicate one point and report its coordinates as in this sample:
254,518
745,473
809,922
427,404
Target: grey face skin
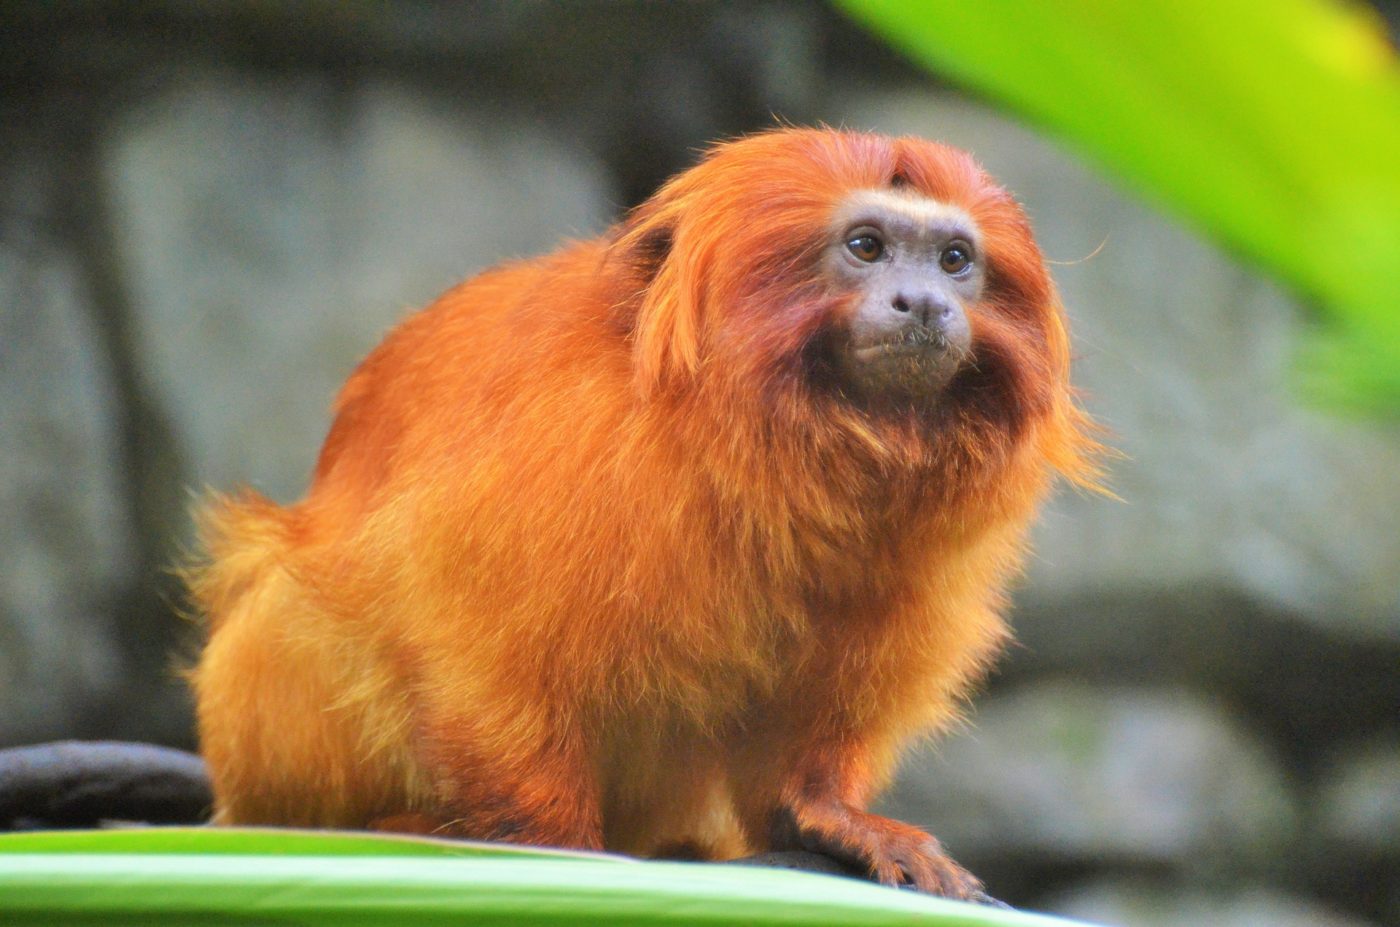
915,265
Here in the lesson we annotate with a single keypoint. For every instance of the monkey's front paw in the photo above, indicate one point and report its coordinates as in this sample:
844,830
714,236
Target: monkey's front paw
894,853
906,856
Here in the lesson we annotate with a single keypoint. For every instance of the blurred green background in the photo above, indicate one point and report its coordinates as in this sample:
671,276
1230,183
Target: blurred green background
1273,125
209,211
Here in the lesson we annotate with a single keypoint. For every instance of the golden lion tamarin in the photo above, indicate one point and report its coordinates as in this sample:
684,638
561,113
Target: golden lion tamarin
670,539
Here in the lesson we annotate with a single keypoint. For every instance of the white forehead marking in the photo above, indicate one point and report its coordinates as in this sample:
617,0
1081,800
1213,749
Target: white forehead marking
919,208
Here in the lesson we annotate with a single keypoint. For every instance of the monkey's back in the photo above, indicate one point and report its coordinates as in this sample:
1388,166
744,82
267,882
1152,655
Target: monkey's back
496,524
318,622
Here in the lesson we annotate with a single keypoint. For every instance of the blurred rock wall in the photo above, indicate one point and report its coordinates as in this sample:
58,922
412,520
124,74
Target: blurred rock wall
208,212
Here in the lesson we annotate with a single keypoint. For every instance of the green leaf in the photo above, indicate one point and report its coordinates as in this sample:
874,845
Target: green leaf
1274,125
199,875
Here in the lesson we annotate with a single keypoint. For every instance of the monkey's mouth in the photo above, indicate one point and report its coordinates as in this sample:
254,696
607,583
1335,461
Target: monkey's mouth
911,344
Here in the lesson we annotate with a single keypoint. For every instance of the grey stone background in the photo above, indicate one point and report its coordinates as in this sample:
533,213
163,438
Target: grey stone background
209,211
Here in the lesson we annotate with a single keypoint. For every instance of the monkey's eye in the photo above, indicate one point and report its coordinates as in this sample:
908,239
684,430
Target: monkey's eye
955,258
866,247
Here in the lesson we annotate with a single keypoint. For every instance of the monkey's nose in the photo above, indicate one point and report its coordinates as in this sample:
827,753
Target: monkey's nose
925,308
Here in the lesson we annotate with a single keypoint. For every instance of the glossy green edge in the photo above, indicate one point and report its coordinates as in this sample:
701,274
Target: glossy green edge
204,876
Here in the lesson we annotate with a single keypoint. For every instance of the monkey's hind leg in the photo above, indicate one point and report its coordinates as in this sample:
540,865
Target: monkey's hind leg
540,790
293,734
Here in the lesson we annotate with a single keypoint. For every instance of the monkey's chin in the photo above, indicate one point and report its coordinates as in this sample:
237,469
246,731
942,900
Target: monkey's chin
898,375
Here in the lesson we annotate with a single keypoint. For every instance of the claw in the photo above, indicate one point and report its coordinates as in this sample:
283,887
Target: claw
893,853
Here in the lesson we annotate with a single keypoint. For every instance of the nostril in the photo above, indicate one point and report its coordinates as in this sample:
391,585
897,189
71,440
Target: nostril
900,305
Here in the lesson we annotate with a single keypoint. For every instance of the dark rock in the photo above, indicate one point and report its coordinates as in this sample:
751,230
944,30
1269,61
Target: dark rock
83,784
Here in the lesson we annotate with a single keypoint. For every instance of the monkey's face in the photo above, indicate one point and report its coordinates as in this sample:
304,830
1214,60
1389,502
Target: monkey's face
809,274
907,268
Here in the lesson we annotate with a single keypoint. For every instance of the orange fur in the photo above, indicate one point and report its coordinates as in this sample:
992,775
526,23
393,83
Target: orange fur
588,560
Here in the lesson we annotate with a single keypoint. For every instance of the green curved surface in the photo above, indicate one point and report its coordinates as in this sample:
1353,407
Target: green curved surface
244,876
